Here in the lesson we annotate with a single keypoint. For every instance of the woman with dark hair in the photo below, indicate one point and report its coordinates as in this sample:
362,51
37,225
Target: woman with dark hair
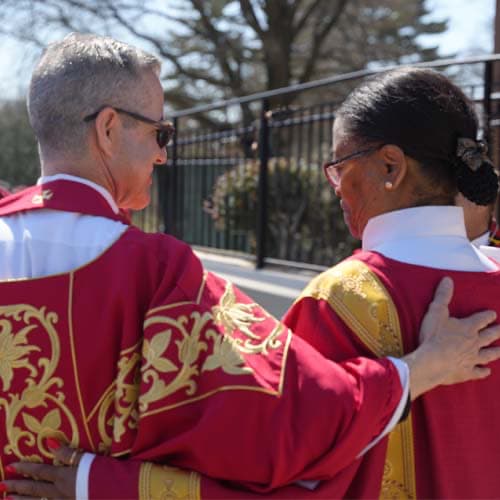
404,145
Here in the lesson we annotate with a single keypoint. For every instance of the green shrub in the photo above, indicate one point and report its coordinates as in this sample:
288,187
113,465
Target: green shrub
304,218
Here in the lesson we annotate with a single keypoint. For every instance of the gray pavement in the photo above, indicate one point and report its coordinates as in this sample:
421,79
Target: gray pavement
274,290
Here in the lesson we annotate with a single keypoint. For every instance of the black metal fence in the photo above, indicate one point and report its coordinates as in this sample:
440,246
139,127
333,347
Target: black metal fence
244,175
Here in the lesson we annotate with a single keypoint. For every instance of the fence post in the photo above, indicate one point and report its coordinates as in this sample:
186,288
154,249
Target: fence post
171,191
488,85
262,189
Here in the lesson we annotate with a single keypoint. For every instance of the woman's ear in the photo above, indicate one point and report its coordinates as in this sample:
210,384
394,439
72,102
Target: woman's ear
395,166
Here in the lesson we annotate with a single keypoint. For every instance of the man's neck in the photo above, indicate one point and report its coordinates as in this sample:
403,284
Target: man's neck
73,178
77,169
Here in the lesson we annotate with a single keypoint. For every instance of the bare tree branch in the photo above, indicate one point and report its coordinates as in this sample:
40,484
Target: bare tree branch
219,40
249,14
302,21
253,46
319,38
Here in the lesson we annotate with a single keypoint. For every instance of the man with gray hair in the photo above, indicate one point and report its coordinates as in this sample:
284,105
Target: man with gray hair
118,342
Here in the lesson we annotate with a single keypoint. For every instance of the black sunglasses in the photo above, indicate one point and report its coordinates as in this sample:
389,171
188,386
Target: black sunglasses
164,129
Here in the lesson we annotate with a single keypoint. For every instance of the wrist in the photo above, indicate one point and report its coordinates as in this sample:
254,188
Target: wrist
423,376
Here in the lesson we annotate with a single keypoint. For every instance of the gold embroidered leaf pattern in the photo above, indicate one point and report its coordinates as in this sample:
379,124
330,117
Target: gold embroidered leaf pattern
13,352
22,327
189,349
227,332
153,351
32,423
33,397
225,355
52,420
233,315
126,395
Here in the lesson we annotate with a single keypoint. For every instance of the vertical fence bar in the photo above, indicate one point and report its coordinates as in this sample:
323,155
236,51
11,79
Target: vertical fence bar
488,84
262,189
170,197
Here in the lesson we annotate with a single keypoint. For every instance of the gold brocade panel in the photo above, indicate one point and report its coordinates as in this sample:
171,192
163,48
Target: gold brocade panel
33,404
160,482
360,299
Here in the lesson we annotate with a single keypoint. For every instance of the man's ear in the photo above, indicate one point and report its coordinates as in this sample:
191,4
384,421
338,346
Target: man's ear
395,166
107,124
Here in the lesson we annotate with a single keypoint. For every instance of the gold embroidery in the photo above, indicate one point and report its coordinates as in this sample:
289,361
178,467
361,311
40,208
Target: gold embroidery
118,409
42,390
46,194
233,315
189,349
154,350
225,355
392,488
360,299
14,352
351,286
398,481
105,422
160,482
126,395
225,335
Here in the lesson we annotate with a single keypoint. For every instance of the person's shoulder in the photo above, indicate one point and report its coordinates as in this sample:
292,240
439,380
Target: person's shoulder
167,261
158,251
154,242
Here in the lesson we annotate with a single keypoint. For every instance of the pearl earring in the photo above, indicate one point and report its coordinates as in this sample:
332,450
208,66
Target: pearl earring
388,185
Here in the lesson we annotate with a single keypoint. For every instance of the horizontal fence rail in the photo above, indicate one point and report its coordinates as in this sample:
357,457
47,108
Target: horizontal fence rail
244,175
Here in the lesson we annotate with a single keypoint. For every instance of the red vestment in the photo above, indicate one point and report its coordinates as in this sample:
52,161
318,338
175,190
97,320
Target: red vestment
451,449
140,353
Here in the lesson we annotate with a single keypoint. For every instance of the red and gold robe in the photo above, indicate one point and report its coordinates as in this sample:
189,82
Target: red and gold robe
140,353
372,305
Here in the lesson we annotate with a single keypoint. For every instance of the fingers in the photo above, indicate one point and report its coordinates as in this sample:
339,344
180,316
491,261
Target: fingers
67,455
480,320
42,472
489,335
488,354
480,372
443,293
29,488
437,312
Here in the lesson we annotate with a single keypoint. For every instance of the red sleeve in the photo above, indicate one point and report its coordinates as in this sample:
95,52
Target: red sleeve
221,388
317,323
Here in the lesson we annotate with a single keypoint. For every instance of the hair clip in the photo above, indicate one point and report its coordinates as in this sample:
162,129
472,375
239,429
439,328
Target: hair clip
472,153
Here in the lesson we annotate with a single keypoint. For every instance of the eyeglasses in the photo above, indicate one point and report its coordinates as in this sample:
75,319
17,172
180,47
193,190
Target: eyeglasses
331,168
164,129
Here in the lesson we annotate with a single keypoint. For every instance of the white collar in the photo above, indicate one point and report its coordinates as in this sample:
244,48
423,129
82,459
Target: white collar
431,236
491,252
67,177
481,240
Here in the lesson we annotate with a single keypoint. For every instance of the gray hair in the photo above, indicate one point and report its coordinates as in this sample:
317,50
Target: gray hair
75,77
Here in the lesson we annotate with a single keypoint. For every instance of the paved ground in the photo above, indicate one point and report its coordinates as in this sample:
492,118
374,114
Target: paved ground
275,290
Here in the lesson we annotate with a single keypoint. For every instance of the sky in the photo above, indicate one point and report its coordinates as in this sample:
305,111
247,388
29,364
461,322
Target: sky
470,33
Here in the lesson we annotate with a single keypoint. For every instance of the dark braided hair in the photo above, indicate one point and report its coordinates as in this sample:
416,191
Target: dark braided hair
426,115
